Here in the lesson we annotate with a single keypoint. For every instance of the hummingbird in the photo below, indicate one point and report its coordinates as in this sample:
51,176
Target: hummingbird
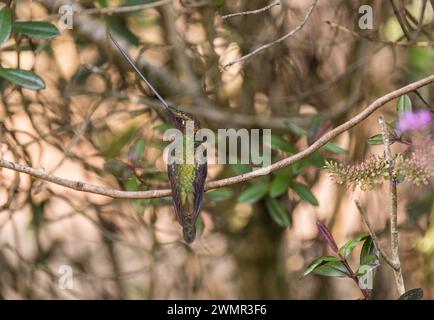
187,178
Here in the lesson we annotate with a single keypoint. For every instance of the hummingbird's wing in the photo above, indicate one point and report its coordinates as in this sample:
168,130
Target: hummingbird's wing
199,187
176,192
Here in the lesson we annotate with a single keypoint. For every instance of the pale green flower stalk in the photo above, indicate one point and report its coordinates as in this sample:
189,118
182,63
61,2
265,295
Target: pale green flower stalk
374,171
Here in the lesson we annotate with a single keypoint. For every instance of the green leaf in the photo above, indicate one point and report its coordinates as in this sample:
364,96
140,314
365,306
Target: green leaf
200,226
254,193
121,29
279,185
219,3
315,125
140,149
36,29
277,212
5,24
119,141
23,78
413,294
140,205
368,254
219,194
103,3
162,127
348,248
304,193
281,144
403,105
131,184
317,262
332,269
239,168
376,139
158,144
332,147
297,130
118,168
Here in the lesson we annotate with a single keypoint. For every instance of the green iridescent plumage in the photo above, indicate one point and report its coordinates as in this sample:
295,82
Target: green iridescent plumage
187,179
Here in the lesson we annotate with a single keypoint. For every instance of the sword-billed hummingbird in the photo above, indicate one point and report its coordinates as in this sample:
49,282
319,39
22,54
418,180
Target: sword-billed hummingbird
187,178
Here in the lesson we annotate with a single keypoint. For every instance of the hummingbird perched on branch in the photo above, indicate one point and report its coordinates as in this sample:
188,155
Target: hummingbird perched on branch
187,178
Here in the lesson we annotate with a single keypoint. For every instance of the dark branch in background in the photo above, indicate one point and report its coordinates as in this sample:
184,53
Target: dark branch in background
244,13
111,10
283,38
81,186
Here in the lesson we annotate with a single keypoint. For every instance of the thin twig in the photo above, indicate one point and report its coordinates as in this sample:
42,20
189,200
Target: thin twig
365,219
394,214
244,13
413,43
119,194
270,44
111,10
422,17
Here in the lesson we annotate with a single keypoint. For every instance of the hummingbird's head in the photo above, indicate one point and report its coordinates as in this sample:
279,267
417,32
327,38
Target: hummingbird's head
181,118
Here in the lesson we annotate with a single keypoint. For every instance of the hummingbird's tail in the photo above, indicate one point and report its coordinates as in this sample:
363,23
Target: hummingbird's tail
189,233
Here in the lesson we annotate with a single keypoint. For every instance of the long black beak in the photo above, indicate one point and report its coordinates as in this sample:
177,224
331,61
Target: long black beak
130,61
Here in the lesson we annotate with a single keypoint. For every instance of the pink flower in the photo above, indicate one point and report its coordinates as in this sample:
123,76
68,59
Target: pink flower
418,120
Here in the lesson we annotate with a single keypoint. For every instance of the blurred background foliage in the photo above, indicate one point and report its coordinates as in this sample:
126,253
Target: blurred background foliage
95,122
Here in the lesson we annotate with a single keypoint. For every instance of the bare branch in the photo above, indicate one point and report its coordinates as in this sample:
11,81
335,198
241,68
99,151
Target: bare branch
111,10
119,194
283,38
413,43
244,13
374,236
394,214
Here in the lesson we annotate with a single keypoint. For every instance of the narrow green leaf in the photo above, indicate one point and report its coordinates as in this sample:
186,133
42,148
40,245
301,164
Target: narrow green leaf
304,193
200,226
319,261
281,144
315,125
277,212
162,127
219,194
368,254
119,141
120,28
403,105
254,193
348,248
297,130
5,24
140,149
36,29
332,147
23,78
331,269
279,185
413,294
376,139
